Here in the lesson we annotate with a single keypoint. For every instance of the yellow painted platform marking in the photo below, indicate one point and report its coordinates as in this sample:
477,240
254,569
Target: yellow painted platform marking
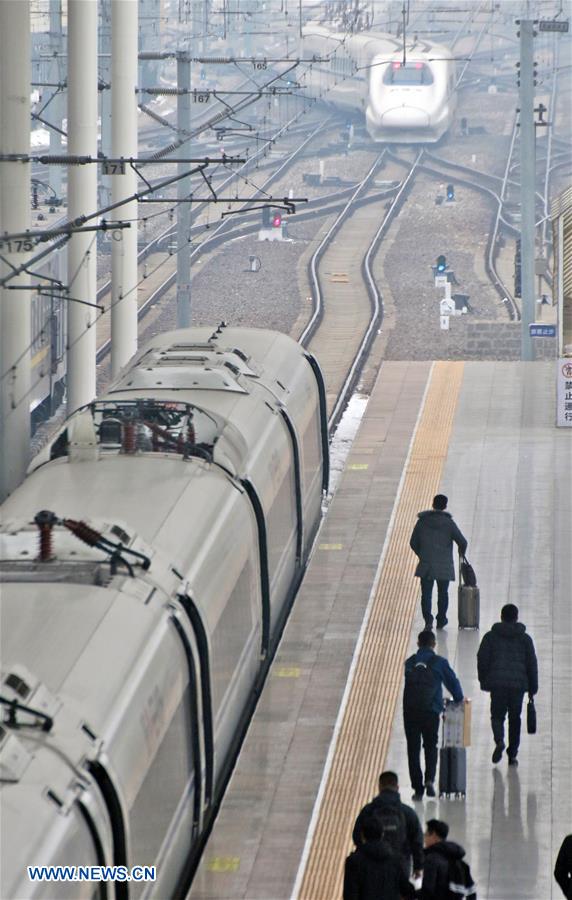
330,546
224,864
287,672
339,278
365,730
358,467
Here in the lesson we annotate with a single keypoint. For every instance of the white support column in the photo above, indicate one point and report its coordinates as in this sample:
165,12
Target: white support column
15,319
55,111
124,32
183,193
82,199
105,96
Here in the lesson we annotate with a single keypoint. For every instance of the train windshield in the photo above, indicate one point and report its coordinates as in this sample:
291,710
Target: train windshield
412,73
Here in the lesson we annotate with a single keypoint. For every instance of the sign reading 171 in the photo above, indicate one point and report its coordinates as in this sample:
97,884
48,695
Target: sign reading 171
113,168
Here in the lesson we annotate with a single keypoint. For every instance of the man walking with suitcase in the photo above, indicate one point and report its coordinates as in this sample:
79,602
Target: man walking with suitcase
507,669
432,541
425,675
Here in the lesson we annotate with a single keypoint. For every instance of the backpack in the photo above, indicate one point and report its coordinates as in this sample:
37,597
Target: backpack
391,821
419,691
461,884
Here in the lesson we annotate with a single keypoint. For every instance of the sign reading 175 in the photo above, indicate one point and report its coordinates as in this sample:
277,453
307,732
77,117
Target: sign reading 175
17,245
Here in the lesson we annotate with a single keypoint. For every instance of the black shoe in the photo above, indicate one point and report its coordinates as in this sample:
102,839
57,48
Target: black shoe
512,761
428,625
497,754
418,795
443,623
430,789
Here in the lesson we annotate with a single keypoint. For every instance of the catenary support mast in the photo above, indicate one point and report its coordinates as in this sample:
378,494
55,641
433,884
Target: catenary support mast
15,77
527,183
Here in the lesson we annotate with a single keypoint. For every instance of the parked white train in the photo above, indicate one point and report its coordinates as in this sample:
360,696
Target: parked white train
147,565
411,103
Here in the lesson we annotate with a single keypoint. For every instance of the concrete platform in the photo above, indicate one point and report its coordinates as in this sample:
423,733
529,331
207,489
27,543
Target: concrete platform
507,472
509,478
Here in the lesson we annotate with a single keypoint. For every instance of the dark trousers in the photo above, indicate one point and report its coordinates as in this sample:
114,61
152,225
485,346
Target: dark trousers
425,728
442,600
503,701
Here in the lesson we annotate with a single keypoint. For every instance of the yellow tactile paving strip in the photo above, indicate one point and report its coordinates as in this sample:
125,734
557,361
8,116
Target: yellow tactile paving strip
365,730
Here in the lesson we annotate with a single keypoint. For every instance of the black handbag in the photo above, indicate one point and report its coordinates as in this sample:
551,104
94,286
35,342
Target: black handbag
468,576
531,717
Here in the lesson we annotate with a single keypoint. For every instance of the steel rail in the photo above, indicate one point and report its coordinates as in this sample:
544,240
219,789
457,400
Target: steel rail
201,202
215,238
375,296
318,304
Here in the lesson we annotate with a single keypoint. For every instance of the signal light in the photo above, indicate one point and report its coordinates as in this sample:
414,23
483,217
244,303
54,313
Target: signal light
450,192
276,220
441,264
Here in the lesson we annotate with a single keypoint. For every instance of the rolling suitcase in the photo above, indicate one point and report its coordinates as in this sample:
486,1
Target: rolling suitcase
453,753
469,600
452,772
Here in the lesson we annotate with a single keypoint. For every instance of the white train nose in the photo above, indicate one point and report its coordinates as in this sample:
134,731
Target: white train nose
405,117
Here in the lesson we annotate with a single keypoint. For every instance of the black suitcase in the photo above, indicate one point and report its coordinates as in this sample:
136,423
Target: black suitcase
452,755
452,772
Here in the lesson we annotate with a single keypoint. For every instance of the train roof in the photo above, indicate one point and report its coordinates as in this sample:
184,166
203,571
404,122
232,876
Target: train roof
211,371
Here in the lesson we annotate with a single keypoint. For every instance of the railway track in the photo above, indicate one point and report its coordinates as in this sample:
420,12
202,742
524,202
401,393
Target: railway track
341,331
217,235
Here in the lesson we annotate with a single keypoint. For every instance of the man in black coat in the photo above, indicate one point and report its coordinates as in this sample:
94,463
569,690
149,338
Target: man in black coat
373,871
432,541
563,868
439,854
507,669
387,808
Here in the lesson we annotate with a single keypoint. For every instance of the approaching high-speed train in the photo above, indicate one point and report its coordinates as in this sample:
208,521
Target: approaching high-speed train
403,102
148,562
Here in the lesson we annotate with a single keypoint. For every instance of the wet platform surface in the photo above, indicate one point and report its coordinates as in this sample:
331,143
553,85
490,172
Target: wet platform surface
307,766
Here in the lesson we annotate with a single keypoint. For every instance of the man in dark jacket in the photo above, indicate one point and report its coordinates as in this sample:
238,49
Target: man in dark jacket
425,675
563,868
432,541
373,871
439,854
391,814
507,668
